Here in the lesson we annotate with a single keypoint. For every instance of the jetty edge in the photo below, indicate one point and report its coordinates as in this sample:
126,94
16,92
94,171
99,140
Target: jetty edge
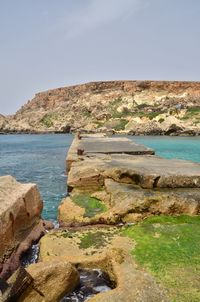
126,181
114,186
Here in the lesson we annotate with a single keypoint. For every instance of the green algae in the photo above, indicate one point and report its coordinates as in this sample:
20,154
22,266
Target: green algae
92,205
95,239
168,247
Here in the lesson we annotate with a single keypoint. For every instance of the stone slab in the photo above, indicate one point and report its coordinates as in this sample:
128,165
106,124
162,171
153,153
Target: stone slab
112,145
104,145
146,171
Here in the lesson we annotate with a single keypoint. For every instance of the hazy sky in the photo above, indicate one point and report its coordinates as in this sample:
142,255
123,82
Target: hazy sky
51,43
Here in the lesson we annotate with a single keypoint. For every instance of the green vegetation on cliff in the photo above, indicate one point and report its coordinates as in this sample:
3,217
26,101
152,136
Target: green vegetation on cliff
169,248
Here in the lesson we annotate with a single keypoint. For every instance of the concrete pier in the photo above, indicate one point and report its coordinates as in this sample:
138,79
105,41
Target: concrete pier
130,180
100,144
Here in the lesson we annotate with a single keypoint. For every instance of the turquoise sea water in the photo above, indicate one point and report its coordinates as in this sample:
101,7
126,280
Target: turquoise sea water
172,147
41,159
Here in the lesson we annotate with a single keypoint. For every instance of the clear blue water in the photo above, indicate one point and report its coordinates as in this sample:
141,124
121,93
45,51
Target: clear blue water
172,147
41,159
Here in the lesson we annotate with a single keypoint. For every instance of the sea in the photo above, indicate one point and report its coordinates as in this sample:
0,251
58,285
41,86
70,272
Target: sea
41,159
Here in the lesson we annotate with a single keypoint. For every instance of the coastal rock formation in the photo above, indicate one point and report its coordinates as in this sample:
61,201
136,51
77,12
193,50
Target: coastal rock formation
123,186
20,221
134,107
105,249
51,281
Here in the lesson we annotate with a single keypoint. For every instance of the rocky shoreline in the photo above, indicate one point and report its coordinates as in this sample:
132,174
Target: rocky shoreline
129,107
113,183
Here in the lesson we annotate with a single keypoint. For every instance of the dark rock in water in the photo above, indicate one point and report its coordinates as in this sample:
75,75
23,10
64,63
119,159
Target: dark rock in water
92,282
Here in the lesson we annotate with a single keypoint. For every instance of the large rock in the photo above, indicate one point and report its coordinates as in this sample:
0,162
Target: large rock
130,202
51,281
20,210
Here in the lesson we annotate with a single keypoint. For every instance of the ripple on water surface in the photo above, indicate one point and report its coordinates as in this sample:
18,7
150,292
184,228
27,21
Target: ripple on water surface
39,159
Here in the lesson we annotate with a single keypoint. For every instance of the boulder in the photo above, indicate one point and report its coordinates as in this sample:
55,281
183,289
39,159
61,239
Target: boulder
20,221
51,281
20,210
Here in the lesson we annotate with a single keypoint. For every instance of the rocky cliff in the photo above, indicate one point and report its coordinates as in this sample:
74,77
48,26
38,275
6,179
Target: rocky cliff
136,107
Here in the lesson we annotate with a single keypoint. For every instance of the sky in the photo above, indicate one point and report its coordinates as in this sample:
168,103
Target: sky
46,44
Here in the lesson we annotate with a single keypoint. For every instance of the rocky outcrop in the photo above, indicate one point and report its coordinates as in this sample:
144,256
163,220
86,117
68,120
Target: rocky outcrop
51,281
20,221
127,187
135,107
105,249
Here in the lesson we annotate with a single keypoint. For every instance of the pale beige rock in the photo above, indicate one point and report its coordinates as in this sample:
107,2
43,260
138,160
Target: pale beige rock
69,212
51,281
20,210
145,171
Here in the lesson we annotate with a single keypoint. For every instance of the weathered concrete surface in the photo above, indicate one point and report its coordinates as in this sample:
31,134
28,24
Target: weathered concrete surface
104,249
132,186
131,203
145,171
112,145
104,145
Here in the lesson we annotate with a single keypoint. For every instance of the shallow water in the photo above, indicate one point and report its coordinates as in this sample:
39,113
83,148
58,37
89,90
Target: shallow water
31,256
92,282
41,159
172,146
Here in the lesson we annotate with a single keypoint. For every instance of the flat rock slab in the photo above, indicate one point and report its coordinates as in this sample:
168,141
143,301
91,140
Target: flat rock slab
100,144
146,171
112,145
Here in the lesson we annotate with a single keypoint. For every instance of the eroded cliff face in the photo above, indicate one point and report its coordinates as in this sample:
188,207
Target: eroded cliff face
136,107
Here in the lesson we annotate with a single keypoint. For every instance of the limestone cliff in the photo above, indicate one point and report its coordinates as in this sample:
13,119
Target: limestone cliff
137,107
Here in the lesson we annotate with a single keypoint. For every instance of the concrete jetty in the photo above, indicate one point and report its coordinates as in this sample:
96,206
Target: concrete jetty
101,144
116,182
130,180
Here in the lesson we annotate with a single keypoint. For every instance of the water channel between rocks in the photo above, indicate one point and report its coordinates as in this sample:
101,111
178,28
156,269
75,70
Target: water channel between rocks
92,281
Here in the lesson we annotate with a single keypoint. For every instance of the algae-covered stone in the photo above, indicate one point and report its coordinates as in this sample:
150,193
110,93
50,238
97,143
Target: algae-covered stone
103,248
52,280
69,212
